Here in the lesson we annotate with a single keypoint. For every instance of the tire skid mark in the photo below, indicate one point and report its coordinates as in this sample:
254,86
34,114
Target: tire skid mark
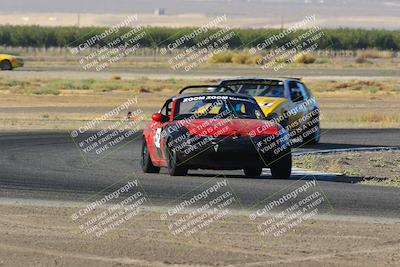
324,256
16,223
83,256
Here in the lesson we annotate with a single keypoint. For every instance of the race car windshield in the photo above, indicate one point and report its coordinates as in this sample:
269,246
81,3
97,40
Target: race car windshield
217,107
267,88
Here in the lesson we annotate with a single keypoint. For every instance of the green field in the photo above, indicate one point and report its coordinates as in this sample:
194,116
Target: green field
337,39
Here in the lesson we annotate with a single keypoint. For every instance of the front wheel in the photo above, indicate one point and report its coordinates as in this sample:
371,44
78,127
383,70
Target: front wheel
174,168
282,167
5,65
146,163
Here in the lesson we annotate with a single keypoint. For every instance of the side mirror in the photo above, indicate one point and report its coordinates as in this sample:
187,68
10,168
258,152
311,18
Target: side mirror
159,117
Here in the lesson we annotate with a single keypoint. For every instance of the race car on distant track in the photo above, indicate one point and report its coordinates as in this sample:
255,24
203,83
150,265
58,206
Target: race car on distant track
9,62
287,100
223,131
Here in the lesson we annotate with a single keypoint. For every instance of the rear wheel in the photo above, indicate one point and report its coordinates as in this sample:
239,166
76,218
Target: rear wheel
146,163
282,167
174,168
254,172
5,65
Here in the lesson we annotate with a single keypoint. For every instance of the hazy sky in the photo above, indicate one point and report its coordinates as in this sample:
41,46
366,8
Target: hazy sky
240,7
334,13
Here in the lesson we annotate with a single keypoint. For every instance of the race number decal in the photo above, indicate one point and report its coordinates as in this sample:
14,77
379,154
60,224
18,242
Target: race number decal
157,137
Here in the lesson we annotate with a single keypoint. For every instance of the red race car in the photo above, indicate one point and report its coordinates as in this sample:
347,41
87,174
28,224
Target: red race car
221,131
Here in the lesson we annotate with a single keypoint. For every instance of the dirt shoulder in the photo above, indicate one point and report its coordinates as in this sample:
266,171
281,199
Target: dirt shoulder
47,236
371,168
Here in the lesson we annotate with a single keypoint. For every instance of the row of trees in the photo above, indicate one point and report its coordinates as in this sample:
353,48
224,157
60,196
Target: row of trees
158,37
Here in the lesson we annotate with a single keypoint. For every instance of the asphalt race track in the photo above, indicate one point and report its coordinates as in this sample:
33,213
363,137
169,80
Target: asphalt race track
48,165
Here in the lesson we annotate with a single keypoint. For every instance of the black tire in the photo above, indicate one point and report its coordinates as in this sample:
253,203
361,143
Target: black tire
145,162
5,65
174,168
254,172
282,167
314,137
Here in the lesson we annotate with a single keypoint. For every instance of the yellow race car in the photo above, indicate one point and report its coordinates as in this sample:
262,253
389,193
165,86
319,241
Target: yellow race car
9,62
286,100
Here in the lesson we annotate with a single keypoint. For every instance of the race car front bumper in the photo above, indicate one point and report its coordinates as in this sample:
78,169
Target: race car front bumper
232,152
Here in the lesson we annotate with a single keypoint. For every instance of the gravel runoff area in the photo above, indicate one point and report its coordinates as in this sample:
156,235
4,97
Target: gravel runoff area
39,234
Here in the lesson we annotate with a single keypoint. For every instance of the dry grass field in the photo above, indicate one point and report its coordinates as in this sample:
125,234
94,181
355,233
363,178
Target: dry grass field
66,104
371,168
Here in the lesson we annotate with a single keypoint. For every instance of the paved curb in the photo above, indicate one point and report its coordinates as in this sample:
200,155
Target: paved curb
341,150
305,172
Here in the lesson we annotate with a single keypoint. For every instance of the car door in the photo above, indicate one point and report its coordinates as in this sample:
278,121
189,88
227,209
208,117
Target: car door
298,110
311,103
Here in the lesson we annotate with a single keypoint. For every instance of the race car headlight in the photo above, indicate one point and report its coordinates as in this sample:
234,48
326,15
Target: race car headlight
266,104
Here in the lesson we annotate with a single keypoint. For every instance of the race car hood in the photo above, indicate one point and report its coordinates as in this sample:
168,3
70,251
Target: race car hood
269,104
224,127
5,56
